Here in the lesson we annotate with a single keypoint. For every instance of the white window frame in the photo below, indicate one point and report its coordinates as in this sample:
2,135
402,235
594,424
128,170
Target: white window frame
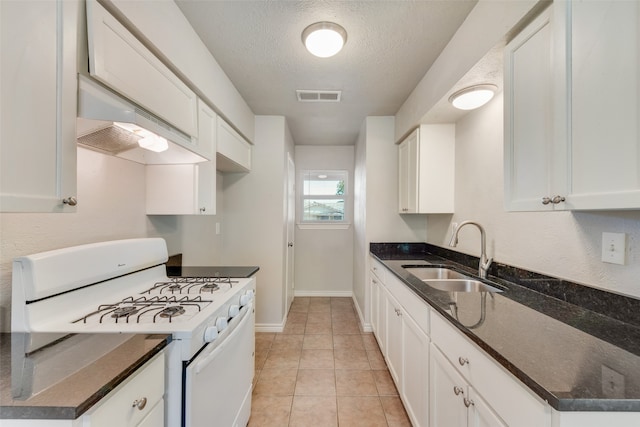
323,224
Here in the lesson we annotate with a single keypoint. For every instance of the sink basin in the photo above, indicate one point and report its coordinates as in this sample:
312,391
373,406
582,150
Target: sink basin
433,273
461,285
444,279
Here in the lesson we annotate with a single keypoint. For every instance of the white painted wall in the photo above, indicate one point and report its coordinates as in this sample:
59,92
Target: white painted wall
376,202
324,258
484,28
561,244
254,211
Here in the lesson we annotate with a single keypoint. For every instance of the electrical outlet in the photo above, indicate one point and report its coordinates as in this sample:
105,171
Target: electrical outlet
612,384
614,248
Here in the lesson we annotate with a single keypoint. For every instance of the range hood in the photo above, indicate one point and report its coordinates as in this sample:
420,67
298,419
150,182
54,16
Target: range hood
111,124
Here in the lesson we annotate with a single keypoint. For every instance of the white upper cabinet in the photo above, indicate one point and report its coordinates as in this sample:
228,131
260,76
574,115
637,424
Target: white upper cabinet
426,170
572,109
187,189
39,91
233,152
605,104
119,60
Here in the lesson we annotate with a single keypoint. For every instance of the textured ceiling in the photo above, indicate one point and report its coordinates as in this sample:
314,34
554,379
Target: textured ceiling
390,46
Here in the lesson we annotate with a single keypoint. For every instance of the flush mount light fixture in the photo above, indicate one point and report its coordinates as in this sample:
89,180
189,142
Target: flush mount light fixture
324,39
473,96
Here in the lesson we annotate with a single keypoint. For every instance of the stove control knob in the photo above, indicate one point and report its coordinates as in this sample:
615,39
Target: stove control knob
234,310
210,334
245,299
221,323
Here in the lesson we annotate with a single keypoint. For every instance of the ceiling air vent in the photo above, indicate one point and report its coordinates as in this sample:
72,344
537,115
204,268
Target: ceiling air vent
319,95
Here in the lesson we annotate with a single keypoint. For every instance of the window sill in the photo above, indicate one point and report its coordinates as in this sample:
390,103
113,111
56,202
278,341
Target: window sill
319,226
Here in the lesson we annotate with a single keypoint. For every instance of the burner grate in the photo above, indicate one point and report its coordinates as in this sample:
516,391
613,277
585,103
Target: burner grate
163,306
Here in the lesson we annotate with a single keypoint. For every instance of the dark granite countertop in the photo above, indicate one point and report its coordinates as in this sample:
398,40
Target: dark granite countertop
212,271
65,378
567,354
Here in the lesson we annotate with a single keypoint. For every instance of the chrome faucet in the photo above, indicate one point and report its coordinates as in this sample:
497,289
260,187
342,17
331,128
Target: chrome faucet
484,262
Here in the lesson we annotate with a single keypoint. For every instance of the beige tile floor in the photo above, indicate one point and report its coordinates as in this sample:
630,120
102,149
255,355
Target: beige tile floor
323,371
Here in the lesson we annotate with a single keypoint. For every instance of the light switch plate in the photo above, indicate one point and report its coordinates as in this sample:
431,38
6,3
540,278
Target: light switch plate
614,248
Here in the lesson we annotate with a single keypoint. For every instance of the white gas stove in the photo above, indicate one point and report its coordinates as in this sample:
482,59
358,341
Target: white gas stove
122,286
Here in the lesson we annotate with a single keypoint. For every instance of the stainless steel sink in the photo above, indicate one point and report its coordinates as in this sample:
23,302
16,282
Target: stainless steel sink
461,285
435,273
448,280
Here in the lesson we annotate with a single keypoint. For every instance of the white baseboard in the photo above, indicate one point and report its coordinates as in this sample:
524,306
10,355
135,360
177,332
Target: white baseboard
303,293
269,327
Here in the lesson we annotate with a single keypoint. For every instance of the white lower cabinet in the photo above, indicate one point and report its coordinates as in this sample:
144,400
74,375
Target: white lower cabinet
454,403
404,344
137,402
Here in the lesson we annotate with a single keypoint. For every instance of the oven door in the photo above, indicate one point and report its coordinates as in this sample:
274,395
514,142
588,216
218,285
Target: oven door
218,381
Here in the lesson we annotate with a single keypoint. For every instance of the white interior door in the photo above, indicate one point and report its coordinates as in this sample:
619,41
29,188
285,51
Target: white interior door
291,216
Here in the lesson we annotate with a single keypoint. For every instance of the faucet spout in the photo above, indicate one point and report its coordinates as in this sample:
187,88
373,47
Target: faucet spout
485,262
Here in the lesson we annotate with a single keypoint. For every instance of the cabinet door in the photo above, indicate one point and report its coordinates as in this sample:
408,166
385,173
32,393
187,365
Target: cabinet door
39,107
394,338
233,152
207,130
374,286
408,174
415,372
605,104
121,62
447,391
181,189
529,154
382,319
480,413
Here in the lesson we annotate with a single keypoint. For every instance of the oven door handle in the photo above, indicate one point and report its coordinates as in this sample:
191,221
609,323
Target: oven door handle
242,318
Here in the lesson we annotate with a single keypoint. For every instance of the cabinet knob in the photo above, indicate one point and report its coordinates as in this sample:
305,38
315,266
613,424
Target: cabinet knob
546,200
458,390
140,403
203,209
290,244
398,312
468,402
463,361
71,201
557,199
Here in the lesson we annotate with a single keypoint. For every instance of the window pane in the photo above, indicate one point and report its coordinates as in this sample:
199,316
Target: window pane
323,210
324,183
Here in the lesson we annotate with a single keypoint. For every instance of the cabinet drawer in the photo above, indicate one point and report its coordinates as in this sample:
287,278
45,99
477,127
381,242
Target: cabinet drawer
515,403
117,408
412,304
378,269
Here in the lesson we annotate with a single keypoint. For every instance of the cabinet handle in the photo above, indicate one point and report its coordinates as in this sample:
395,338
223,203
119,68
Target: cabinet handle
463,361
140,403
71,201
458,390
202,210
546,200
398,312
557,199
468,402
374,281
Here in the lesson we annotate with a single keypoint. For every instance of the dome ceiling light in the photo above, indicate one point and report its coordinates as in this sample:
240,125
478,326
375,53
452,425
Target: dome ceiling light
473,97
324,39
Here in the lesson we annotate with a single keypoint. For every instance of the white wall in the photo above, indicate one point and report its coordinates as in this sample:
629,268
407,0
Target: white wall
324,258
254,211
561,244
483,29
